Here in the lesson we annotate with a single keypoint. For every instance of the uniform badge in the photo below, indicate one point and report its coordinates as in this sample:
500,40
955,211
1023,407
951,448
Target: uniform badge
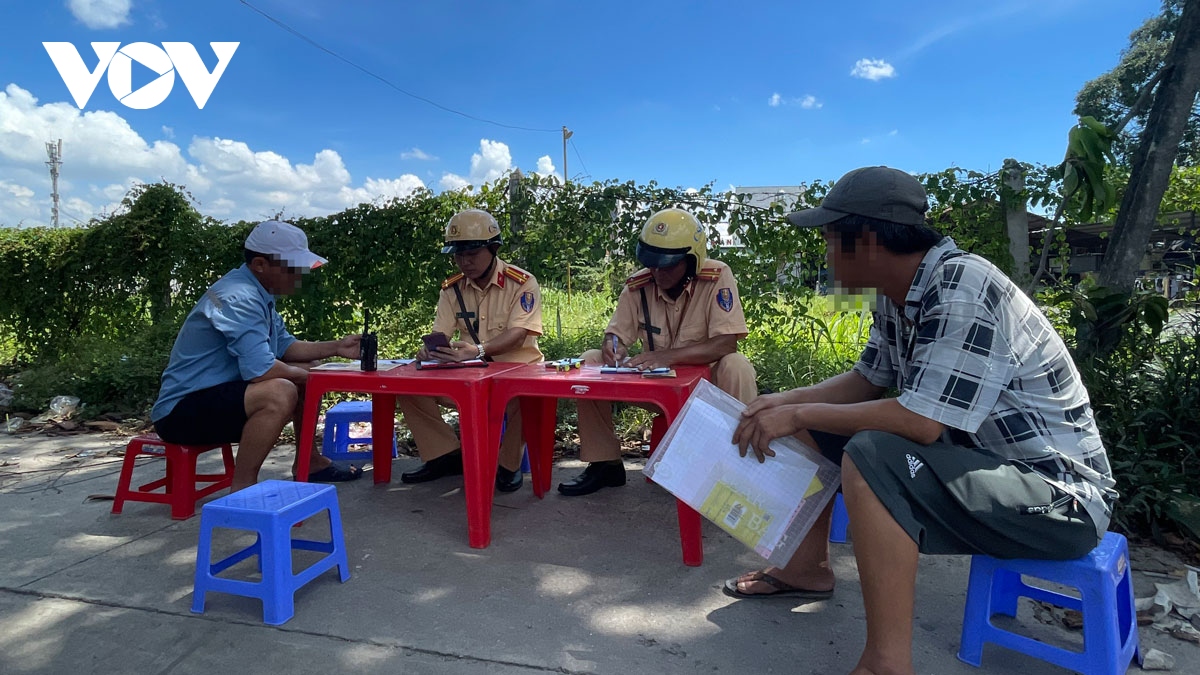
527,301
725,299
453,231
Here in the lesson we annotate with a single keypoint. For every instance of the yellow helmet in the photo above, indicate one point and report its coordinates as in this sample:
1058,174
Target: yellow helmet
471,229
670,236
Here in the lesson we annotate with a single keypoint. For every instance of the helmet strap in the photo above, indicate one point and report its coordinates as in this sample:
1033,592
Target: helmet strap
677,290
491,266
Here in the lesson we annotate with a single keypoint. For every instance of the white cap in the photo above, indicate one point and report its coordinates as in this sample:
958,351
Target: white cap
284,241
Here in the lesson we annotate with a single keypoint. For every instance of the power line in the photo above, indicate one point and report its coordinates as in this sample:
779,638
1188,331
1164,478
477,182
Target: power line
72,215
586,173
386,81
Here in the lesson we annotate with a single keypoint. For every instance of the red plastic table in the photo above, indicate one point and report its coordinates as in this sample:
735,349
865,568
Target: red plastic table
467,387
540,388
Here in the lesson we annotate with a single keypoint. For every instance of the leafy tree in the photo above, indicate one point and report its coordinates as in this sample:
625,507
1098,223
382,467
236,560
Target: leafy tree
1121,97
1085,192
1173,107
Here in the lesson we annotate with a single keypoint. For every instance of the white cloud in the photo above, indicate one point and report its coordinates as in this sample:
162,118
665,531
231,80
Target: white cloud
169,132
873,69
417,153
101,13
18,191
808,101
453,182
880,137
993,12
491,162
545,167
103,157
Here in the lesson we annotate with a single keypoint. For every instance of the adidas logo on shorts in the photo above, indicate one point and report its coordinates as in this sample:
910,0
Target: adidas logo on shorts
914,465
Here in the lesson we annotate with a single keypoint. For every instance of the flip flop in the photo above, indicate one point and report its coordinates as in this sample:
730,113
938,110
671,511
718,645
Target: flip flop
782,589
335,474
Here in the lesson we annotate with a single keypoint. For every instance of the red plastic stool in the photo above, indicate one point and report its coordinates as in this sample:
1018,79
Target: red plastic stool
180,483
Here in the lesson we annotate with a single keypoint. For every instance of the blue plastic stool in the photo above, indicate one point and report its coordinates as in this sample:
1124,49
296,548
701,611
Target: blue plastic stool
337,431
269,508
1110,637
841,521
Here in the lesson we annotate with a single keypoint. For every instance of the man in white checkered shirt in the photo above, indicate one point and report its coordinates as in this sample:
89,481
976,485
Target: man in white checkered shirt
991,446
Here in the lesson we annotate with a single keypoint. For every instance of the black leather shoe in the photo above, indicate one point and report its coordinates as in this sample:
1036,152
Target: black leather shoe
597,475
446,465
508,481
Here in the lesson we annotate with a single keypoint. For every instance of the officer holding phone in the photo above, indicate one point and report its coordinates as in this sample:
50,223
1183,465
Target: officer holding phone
496,310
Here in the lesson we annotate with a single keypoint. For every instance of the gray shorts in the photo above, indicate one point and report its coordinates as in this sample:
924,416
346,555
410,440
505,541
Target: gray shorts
956,500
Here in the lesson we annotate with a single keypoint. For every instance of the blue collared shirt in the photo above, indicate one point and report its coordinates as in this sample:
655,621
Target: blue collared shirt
233,333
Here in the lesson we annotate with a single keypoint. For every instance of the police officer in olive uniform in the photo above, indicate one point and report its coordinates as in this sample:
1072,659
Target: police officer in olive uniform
497,310
685,309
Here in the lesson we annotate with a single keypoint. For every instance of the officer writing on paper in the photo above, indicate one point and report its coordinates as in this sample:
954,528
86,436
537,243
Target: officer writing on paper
235,374
497,310
685,309
991,447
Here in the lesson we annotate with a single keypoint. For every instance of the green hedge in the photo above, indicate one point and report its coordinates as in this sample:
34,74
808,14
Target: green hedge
91,311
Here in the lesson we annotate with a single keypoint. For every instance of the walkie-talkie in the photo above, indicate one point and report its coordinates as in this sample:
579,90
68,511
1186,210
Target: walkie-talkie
369,345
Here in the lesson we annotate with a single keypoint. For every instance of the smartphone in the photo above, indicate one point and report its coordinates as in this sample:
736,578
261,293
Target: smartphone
435,340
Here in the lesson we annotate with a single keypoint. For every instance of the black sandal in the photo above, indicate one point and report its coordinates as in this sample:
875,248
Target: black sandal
782,589
335,474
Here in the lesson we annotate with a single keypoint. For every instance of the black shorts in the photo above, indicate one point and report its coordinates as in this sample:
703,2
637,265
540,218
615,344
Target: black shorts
207,417
957,500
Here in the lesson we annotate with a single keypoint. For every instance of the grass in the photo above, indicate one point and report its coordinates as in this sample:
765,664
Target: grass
573,323
796,345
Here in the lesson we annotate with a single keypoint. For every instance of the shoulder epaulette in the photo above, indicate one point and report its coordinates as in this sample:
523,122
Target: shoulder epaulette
516,274
452,280
638,280
709,272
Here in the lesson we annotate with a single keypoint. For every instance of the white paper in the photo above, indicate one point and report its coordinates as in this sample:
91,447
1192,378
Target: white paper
769,506
381,364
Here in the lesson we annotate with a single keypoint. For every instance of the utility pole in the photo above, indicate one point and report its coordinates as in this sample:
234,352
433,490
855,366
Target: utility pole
567,133
54,151
516,214
1016,219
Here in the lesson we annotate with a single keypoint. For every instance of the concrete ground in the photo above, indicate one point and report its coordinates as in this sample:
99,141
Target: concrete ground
586,585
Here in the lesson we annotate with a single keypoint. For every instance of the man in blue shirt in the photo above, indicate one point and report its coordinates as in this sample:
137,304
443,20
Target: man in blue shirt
236,375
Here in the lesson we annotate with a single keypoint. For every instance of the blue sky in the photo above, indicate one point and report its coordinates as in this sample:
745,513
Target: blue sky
684,93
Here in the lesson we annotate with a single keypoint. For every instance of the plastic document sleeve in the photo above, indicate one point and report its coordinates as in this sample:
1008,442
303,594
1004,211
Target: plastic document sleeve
382,364
769,507
451,365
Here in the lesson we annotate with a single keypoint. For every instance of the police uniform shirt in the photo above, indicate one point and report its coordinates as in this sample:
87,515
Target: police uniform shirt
708,307
511,298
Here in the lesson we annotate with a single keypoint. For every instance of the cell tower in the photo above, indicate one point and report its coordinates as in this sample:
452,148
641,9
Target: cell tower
54,150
